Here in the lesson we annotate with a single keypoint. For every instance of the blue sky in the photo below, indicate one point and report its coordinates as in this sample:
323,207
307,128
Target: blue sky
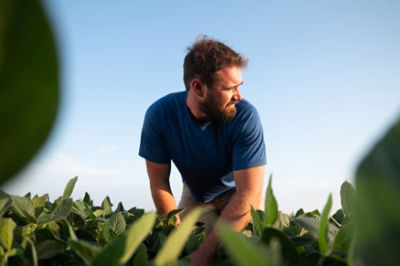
324,76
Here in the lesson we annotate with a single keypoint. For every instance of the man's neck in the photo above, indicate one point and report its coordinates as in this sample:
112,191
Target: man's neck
194,108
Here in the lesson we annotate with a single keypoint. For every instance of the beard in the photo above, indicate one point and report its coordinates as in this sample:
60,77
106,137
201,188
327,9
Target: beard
217,110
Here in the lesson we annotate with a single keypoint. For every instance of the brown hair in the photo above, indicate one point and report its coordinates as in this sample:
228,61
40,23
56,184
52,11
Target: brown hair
206,57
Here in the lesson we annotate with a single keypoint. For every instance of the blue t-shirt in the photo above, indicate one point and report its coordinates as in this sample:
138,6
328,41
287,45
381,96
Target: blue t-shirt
205,154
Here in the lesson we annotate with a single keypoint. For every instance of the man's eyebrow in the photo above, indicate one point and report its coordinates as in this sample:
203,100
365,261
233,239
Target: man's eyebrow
236,85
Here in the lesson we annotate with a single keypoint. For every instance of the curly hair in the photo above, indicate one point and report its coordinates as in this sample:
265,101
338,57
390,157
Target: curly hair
206,57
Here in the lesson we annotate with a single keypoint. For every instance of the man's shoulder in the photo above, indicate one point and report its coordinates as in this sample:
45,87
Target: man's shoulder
168,101
246,117
245,108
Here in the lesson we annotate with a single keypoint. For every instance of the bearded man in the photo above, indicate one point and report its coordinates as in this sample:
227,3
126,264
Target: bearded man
215,139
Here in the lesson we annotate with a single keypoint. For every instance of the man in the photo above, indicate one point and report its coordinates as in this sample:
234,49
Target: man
215,139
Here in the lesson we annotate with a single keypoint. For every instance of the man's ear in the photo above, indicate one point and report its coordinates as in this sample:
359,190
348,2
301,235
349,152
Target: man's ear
198,87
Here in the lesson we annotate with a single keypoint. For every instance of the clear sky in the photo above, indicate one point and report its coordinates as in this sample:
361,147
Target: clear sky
324,76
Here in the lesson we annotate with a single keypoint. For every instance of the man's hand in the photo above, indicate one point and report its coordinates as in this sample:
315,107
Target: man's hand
249,188
160,187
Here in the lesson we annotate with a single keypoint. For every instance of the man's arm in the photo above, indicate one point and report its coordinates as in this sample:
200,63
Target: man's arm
249,188
160,187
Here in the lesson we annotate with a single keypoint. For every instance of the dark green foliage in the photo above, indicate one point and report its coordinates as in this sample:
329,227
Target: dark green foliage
308,238
35,231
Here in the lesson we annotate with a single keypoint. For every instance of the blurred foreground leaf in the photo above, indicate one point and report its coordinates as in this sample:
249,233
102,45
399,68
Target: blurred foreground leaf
378,201
323,241
244,252
29,93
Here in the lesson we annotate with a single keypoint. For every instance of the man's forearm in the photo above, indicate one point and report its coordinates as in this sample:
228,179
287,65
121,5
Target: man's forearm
249,186
236,214
163,199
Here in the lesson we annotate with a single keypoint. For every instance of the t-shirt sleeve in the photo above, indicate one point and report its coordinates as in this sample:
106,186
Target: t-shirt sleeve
248,142
152,142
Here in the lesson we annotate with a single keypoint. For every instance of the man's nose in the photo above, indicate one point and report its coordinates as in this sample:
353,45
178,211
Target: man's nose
236,95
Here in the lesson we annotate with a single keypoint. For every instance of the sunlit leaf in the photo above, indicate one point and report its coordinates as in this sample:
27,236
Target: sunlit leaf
60,212
323,242
347,197
6,232
106,206
175,242
5,202
117,223
257,223
24,207
271,205
69,188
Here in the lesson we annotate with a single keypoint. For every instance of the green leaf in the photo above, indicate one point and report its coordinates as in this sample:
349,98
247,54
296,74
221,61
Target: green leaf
86,250
243,251
288,251
271,206
40,201
105,232
24,208
120,207
63,209
175,242
323,242
69,188
12,252
71,231
258,225
78,208
174,213
299,212
29,93
378,200
91,215
60,212
87,199
49,248
117,223
33,253
140,258
5,202
121,249
312,225
7,226
98,212
347,197
282,221
344,238
106,206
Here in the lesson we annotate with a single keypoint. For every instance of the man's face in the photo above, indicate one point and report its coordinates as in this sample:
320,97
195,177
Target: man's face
221,99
